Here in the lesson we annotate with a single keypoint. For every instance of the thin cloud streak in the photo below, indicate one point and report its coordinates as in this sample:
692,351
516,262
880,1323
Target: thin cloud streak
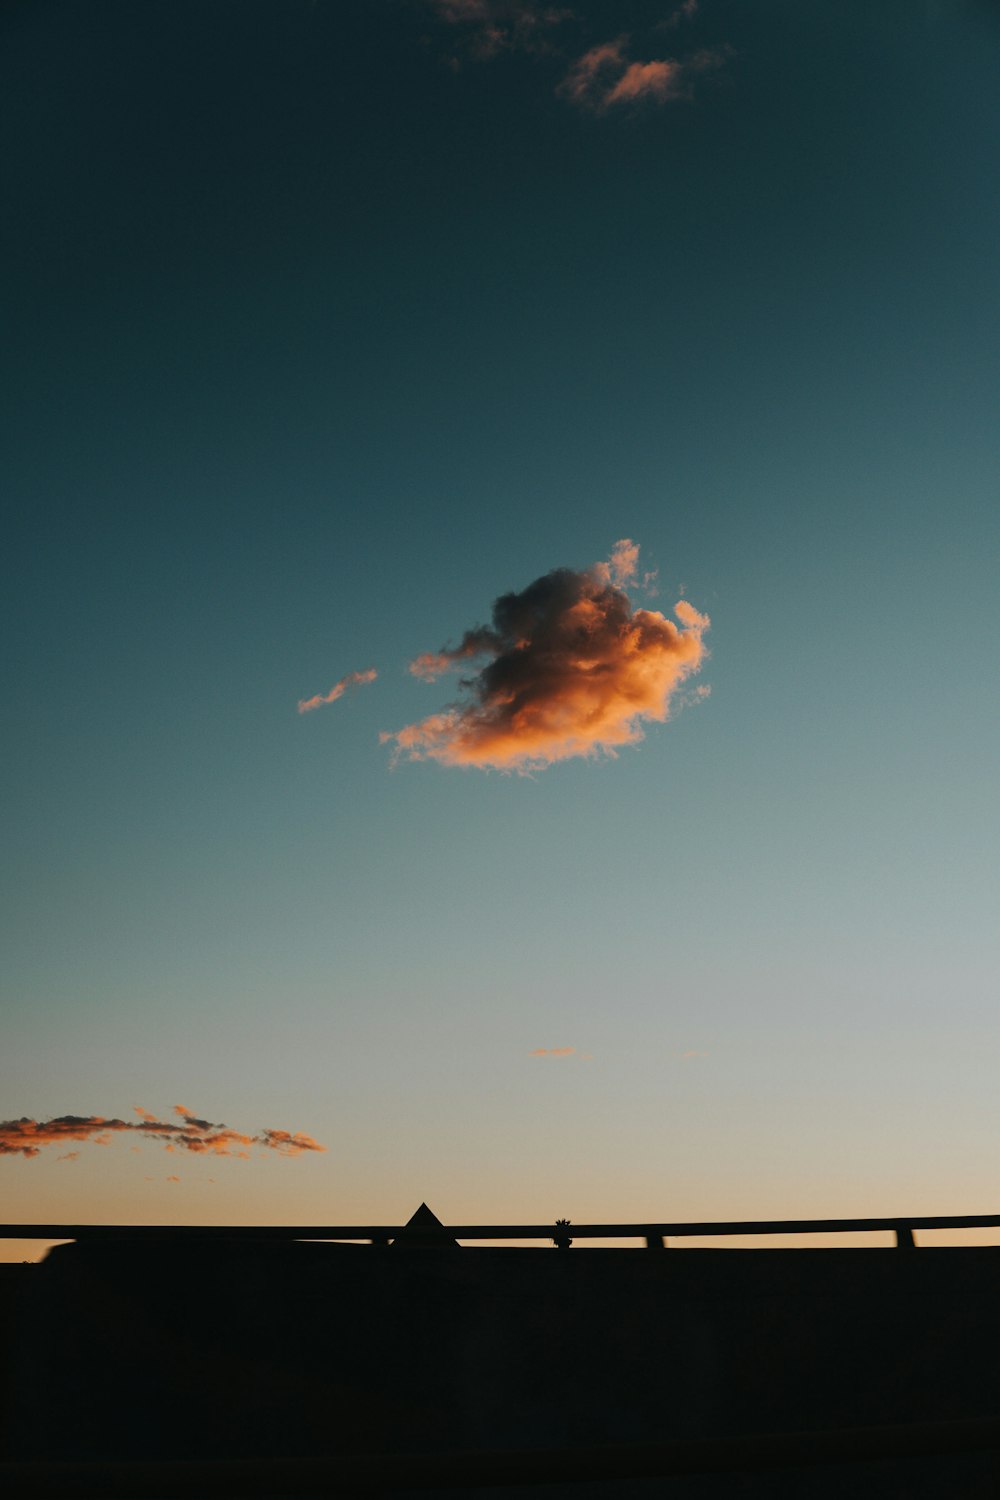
28,1138
350,680
552,1052
573,671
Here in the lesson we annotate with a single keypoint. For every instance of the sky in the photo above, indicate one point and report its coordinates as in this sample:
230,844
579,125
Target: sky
499,604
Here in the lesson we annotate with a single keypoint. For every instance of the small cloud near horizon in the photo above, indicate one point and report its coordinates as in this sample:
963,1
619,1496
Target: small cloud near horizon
28,1138
349,680
552,1052
571,670
692,1054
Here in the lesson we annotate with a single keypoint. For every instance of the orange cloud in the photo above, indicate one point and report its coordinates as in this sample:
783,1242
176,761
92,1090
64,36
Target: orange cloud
604,76
573,670
601,78
289,1143
552,1052
588,77
686,612
68,1156
657,80
620,568
173,1179
352,679
430,665
28,1138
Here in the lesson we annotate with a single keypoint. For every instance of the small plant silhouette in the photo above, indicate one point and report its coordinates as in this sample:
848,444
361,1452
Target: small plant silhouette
562,1241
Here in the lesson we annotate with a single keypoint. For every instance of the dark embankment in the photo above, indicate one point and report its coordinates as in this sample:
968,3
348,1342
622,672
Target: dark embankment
230,1350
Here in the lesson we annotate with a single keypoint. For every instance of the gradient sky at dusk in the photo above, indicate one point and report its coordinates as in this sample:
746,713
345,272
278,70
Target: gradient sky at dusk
326,323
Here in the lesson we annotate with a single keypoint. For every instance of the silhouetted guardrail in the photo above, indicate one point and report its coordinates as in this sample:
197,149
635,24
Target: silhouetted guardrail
562,1232
364,1474
345,1474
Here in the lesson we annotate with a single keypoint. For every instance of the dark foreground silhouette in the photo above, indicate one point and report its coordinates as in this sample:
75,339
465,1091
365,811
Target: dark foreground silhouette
248,1350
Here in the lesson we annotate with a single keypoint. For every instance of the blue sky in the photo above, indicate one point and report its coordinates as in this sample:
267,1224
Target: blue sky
325,326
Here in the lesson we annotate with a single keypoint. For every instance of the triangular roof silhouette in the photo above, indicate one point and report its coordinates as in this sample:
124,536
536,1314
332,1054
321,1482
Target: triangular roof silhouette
422,1220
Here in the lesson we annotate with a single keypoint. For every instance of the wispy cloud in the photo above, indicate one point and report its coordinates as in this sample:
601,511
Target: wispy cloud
552,1052
621,567
686,11
489,27
572,670
288,1142
692,1055
430,665
28,1138
588,78
350,680
605,76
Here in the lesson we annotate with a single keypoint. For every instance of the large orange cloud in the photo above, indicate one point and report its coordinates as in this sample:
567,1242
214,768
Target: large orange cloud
26,1137
573,670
